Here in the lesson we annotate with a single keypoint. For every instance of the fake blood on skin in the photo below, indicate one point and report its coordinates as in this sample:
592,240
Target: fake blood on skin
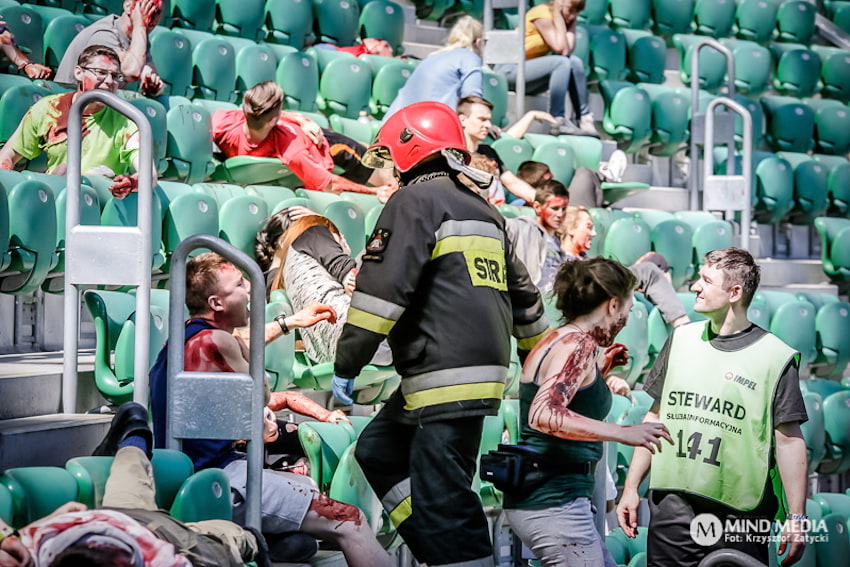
202,354
335,511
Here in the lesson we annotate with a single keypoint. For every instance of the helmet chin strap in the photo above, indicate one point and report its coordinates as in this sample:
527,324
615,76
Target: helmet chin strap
455,160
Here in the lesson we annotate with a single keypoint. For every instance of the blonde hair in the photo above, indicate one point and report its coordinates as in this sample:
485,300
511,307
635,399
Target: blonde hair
464,33
286,239
571,218
260,101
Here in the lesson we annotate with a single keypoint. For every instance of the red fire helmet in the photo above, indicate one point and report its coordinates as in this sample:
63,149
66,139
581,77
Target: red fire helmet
414,133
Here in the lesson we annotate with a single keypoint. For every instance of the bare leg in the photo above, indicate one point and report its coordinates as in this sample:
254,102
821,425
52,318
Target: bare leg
345,525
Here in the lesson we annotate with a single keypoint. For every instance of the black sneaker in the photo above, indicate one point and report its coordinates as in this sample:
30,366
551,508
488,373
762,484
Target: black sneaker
131,419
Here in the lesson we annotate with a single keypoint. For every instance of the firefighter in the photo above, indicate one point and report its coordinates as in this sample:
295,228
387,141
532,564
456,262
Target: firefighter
441,282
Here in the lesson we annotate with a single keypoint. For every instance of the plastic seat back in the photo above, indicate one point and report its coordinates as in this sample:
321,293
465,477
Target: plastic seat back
673,240
27,27
336,21
832,130
298,74
345,87
109,311
193,14
795,21
254,64
752,67
364,201
289,22
636,337
797,71
37,491
712,63
91,474
560,159
383,19
811,187
714,18
349,485
324,444
646,56
633,14
672,16
835,73
32,237
14,104
670,119
388,81
349,219
189,143
595,12
280,353
495,87
607,54
789,124
813,430
628,114
155,113
242,18
271,194
835,246
214,69
240,219
188,214
513,152
172,54
756,19
203,496
626,240
831,323
794,323
58,34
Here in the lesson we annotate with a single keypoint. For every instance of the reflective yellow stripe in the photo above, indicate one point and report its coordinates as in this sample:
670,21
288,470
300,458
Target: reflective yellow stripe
456,393
463,243
528,344
401,512
369,321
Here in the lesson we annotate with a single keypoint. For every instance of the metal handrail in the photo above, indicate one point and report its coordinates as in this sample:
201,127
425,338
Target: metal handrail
79,240
747,160
730,87
256,353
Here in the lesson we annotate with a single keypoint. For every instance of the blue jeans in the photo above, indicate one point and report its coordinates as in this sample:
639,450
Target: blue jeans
562,535
562,75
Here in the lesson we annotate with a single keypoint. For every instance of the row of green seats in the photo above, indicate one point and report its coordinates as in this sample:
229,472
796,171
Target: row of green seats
826,432
28,494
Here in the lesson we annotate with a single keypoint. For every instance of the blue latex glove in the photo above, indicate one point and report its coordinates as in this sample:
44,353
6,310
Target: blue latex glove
342,389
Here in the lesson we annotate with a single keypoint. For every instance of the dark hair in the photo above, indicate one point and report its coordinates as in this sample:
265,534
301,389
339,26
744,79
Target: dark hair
739,268
267,239
582,285
80,555
464,104
548,189
533,172
92,51
202,274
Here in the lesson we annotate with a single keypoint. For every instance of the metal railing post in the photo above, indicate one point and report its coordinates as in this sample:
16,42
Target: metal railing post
693,181
256,362
85,247
492,53
746,165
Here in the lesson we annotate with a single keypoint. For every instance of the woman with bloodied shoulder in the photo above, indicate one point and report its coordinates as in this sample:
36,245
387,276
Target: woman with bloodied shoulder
564,400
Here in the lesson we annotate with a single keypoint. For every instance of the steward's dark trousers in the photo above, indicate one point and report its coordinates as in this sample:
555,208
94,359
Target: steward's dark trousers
423,476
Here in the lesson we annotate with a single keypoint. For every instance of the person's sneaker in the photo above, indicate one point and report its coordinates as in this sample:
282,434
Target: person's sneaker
586,125
616,167
131,419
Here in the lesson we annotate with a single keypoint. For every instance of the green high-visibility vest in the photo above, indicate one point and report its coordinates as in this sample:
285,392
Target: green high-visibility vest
718,406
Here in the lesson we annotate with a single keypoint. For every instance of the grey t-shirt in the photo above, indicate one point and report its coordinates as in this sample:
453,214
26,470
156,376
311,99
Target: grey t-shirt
105,31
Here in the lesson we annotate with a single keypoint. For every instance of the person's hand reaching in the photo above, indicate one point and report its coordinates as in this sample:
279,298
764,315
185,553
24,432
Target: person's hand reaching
124,185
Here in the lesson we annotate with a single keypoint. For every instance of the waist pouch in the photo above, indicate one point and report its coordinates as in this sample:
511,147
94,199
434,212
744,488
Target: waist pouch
513,468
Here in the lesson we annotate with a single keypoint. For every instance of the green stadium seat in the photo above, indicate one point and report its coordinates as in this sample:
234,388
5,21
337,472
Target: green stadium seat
714,18
836,419
811,187
345,88
386,84
559,157
636,337
626,240
255,63
193,14
365,201
752,66
361,131
58,34
109,311
203,496
672,16
628,114
833,549
792,320
318,199
813,430
349,219
102,7
289,22
433,10
244,170
588,150
774,187
239,220
214,69
831,323
595,12
838,183
709,233
271,194
212,106
835,246
89,215
294,202
670,119
241,18
797,70
607,54
336,21
602,219
14,104
756,20
172,55
757,114
790,124
324,56
834,72
280,353
324,444
841,16
32,237
833,503
582,46
646,56
672,238
495,87
795,21
372,220
712,63
189,144
185,215
633,14
155,113
26,25
512,151
832,122
37,492
90,474
617,547
383,19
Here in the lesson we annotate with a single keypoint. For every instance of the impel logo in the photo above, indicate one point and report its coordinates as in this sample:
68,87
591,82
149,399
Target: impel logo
706,529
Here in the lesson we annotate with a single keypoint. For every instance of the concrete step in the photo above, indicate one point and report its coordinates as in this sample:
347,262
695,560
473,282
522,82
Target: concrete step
49,440
672,199
31,384
805,272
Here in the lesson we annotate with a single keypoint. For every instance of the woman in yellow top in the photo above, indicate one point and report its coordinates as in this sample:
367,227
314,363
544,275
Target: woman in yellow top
550,39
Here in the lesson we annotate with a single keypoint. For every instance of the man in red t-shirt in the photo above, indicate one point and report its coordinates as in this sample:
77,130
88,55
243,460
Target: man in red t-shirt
261,129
